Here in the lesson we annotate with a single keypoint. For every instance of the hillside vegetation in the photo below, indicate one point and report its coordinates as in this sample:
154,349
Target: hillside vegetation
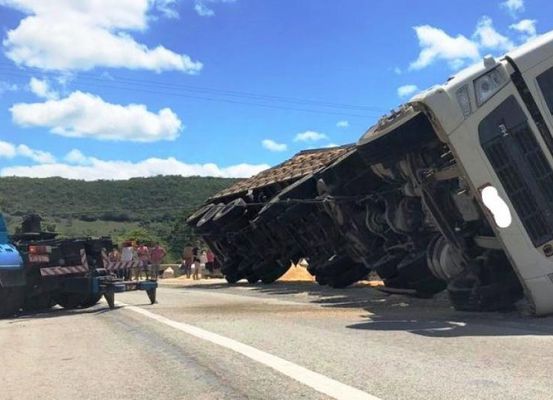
151,208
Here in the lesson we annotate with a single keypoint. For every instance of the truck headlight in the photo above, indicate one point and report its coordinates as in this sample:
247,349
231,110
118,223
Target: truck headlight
488,85
497,206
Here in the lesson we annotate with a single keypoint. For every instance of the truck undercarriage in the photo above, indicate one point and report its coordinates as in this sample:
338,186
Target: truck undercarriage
397,205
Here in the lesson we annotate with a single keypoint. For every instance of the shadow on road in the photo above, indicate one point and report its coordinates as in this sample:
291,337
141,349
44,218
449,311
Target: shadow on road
390,312
60,312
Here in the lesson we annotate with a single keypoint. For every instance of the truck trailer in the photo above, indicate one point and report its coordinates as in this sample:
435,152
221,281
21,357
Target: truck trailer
451,191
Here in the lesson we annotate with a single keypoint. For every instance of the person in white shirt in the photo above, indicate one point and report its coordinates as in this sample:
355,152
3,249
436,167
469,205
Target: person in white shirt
127,255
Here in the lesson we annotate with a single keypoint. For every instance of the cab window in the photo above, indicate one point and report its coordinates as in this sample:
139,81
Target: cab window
545,81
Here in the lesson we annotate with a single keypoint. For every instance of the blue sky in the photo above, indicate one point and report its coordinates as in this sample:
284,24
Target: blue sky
111,90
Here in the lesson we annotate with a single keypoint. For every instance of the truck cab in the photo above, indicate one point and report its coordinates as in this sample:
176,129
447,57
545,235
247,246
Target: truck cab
496,123
12,274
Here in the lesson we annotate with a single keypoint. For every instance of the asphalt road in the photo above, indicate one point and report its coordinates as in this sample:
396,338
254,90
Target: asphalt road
284,341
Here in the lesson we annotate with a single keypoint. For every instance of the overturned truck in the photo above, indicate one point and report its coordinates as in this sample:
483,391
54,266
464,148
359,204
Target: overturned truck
452,191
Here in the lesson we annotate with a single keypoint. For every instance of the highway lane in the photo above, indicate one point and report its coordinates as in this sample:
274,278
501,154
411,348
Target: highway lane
366,342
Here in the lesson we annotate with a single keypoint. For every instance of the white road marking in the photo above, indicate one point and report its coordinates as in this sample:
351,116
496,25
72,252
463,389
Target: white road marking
245,297
314,380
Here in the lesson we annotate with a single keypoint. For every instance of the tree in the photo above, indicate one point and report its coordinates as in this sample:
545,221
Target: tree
138,235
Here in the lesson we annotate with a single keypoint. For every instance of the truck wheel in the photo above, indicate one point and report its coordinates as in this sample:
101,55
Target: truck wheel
71,300
195,217
348,277
92,300
43,301
205,223
230,212
11,301
271,276
414,270
340,272
252,279
468,295
245,268
386,267
232,278
321,279
410,272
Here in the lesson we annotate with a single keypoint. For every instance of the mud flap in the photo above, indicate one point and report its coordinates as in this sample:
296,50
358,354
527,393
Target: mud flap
110,298
152,295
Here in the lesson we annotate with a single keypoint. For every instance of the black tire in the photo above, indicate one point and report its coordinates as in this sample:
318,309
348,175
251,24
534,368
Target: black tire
426,288
11,301
321,279
348,277
252,279
264,268
414,270
245,268
232,278
43,301
205,223
230,267
193,219
410,272
91,300
386,267
230,212
273,275
71,301
468,295
340,272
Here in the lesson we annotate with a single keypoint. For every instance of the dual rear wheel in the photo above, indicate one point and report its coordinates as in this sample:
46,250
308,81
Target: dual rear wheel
11,301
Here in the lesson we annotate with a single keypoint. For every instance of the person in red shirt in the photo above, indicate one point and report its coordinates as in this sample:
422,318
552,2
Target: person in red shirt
209,265
156,257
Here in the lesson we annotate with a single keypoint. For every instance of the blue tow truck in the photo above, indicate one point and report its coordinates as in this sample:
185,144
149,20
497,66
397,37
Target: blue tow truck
39,270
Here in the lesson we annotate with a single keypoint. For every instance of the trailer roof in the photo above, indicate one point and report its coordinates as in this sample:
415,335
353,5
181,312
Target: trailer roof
303,163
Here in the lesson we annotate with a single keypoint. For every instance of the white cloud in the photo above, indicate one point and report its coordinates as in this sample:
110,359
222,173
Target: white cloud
488,38
513,6
42,89
330,145
406,90
87,115
271,145
167,8
116,170
203,10
342,124
526,28
437,45
38,156
80,35
310,136
398,71
7,87
9,150
203,7
75,156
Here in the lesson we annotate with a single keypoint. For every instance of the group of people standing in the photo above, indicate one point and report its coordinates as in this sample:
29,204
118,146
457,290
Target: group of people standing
195,261
148,260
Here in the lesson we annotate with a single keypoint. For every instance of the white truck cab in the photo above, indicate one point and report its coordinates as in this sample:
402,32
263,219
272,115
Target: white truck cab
497,120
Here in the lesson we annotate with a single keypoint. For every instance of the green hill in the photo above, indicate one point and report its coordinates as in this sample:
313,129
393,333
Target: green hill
140,207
